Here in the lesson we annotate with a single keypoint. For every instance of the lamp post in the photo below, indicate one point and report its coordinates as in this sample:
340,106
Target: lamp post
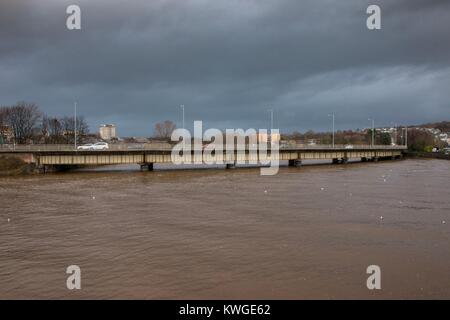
75,124
406,136
271,123
182,108
333,117
271,118
396,133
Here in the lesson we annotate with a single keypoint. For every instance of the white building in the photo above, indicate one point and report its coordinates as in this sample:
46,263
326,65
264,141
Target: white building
107,131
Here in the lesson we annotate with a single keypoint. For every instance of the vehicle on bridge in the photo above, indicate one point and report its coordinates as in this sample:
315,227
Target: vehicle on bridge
95,146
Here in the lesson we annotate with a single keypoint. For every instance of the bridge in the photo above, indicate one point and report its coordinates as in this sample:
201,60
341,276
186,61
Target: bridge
146,155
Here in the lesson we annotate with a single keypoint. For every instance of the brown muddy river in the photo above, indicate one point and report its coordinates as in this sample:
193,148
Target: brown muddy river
305,233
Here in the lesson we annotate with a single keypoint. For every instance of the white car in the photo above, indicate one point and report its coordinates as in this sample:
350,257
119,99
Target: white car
95,146
89,146
101,146
348,146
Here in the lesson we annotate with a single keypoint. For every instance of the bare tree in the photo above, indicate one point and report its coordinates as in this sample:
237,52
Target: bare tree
23,119
68,129
53,130
164,130
82,129
45,128
26,123
3,123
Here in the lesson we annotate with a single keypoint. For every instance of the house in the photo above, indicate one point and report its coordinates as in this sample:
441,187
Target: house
6,134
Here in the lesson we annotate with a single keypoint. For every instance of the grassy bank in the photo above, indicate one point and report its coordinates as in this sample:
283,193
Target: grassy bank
10,165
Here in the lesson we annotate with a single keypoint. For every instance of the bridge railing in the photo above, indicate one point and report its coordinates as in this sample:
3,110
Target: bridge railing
71,147
168,147
340,146
35,147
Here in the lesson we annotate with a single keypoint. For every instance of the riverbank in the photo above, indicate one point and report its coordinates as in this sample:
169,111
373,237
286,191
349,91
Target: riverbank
11,166
428,155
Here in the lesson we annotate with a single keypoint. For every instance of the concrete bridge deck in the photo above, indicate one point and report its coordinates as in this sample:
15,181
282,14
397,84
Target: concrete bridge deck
146,156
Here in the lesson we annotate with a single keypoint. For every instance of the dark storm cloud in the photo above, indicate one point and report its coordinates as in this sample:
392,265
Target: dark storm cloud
229,61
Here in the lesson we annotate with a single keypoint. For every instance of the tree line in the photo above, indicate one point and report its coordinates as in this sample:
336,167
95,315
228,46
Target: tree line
341,137
23,123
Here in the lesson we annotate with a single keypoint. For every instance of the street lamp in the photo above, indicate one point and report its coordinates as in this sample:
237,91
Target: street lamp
406,136
75,123
182,108
332,115
271,118
271,123
373,131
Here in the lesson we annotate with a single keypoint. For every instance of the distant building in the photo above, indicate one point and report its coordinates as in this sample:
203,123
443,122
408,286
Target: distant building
268,137
107,131
6,134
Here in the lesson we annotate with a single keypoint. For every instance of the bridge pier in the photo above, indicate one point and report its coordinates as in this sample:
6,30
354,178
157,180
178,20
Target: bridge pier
230,165
147,166
295,163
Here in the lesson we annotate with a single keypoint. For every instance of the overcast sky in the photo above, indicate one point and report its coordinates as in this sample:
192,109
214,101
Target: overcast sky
229,61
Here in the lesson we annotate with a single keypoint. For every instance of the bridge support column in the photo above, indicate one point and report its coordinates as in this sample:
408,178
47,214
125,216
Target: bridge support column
295,163
147,167
231,165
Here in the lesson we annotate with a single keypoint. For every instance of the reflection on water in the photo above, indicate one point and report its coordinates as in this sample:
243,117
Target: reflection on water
307,232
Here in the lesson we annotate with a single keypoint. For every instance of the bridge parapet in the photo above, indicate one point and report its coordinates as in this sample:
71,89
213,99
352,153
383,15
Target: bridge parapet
8,148
64,155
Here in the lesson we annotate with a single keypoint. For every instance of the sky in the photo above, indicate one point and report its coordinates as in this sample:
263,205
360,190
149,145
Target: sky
133,63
